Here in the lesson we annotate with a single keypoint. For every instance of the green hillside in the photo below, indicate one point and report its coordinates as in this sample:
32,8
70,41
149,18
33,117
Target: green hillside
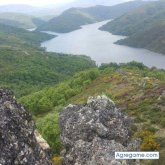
17,37
136,89
144,26
68,21
25,67
152,39
20,20
73,18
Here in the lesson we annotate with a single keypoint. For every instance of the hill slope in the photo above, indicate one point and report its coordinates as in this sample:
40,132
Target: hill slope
68,21
17,37
144,26
25,67
73,18
139,96
152,39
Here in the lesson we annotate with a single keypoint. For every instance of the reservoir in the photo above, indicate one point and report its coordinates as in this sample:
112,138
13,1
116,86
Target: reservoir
99,45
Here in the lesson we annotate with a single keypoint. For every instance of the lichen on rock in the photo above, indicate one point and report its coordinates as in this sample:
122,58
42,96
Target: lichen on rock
18,142
91,133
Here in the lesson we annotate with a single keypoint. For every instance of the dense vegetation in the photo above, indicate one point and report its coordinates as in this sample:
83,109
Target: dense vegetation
135,89
144,26
73,18
25,68
48,98
20,20
19,38
26,71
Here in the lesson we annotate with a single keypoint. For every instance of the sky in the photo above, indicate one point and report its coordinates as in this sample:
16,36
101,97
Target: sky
34,2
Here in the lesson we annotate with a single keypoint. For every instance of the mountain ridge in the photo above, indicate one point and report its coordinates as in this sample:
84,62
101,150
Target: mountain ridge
70,19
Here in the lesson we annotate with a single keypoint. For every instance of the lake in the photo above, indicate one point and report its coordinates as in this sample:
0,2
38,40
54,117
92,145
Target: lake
99,45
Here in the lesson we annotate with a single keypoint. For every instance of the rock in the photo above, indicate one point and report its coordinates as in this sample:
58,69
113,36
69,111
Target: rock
91,133
17,139
42,142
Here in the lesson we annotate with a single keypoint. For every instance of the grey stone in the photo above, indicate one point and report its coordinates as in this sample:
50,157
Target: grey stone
91,133
18,142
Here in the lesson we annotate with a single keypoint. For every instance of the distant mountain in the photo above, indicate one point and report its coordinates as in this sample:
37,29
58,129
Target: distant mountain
70,20
20,20
144,26
89,3
73,18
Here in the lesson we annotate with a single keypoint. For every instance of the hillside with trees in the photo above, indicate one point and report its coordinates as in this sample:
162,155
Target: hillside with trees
25,67
74,18
144,27
18,37
136,90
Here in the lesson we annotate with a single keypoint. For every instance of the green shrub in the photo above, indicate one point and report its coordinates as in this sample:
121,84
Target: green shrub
49,129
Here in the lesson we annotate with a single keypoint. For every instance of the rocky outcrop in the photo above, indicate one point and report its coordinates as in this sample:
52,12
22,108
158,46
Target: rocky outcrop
18,142
91,133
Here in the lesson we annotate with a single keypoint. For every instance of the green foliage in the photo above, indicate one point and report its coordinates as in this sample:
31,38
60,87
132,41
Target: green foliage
149,128
121,82
26,68
20,38
44,100
109,65
49,128
26,71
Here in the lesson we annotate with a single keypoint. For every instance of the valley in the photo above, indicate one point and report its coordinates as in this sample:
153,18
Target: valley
99,45
53,62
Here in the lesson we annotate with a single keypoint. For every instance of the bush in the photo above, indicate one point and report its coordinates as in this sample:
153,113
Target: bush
148,141
49,129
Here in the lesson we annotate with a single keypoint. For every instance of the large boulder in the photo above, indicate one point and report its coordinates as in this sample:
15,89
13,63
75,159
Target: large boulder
18,143
91,133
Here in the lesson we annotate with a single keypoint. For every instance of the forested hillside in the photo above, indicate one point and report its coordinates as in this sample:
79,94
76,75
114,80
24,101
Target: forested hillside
73,18
25,67
144,26
135,88
18,38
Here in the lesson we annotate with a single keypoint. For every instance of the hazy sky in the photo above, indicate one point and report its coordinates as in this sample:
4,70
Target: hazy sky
42,2
34,2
